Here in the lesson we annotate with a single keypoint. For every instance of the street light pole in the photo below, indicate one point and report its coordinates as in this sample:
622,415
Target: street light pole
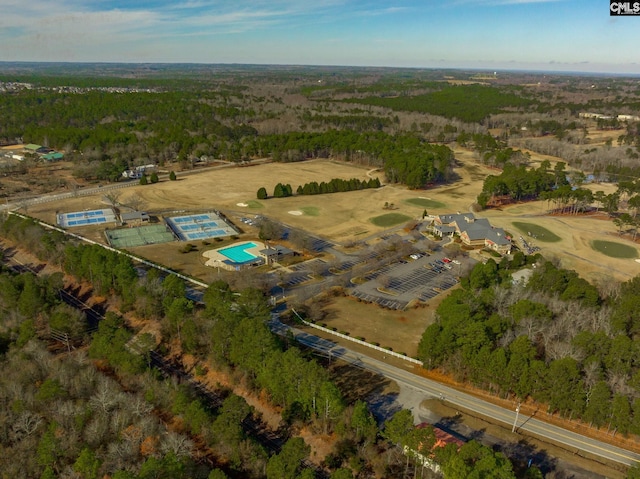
515,422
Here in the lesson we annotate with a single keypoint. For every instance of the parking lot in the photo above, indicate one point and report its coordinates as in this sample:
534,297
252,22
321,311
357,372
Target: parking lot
396,285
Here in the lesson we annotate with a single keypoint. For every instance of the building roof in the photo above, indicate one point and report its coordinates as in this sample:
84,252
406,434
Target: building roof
53,156
32,146
455,218
497,236
442,437
276,250
133,216
475,229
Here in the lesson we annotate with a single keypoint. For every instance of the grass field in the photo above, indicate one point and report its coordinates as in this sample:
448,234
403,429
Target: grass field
344,217
424,203
399,330
310,210
541,233
614,250
390,219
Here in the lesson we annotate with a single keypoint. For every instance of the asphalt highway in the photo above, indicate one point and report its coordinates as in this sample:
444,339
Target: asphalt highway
432,389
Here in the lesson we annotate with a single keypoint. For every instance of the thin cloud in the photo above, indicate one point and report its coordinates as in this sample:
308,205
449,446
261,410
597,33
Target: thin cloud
497,3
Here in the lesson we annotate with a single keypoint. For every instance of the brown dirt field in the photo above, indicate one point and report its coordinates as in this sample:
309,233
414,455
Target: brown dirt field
400,330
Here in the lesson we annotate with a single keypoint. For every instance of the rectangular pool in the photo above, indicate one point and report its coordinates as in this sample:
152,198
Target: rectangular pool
237,253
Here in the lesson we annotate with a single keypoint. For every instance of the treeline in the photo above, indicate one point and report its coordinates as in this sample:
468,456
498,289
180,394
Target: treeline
406,158
364,122
553,340
518,183
468,103
336,185
493,151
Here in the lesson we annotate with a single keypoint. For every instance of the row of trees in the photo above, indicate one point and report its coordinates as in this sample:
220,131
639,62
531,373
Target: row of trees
336,185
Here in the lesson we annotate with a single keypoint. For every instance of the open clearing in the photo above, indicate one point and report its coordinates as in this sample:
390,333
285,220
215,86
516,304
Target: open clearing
537,231
615,250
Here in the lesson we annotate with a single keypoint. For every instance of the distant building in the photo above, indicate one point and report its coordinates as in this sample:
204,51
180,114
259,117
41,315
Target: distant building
474,232
138,172
628,118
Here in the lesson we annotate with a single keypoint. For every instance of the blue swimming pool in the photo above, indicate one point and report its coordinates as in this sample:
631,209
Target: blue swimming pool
238,253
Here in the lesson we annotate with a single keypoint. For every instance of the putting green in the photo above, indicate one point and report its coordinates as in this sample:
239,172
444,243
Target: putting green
310,210
614,250
538,232
390,219
424,203
254,204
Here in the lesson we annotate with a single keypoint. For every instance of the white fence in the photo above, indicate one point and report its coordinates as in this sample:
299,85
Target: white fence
359,341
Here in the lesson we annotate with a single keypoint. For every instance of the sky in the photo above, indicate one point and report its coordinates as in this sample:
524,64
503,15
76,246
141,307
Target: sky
547,35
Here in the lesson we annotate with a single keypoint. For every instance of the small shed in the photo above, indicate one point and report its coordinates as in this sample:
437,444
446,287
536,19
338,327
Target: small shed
134,217
275,253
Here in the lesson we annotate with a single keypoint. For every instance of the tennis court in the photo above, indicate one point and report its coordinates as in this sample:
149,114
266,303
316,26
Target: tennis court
140,236
86,218
199,227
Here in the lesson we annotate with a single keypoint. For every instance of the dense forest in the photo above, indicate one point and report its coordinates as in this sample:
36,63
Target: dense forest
103,406
553,339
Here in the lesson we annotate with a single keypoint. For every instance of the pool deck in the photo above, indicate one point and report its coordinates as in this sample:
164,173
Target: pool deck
219,260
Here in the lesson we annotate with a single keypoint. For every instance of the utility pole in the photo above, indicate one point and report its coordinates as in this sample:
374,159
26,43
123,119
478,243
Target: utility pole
515,422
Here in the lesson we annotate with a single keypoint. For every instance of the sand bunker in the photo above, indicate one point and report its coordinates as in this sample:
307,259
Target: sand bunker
244,205
295,213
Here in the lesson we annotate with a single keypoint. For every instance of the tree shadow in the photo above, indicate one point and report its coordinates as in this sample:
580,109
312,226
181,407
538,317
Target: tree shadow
383,406
525,455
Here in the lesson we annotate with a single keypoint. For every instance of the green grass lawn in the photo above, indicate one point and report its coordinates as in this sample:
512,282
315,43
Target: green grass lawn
543,234
614,250
254,204
310,210
424,203
390,219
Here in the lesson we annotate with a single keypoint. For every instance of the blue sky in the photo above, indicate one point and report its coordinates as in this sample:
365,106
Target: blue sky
561,35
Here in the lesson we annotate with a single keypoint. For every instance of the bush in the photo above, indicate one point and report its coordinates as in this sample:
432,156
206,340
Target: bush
154,177
144,180
188,248
172,176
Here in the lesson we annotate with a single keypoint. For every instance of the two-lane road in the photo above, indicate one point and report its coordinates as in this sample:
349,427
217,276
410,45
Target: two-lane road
572,441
